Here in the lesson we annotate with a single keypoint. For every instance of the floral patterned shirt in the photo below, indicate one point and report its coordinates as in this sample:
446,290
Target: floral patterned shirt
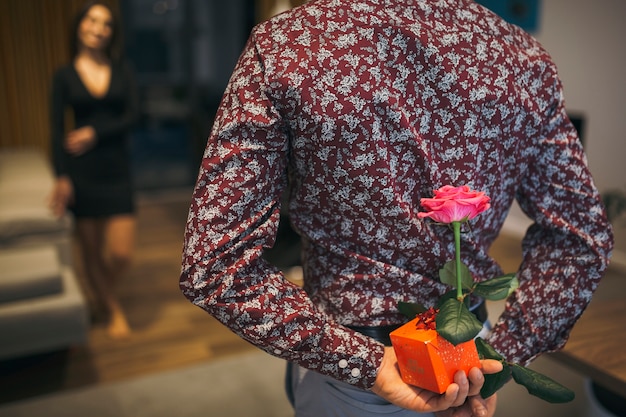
359,108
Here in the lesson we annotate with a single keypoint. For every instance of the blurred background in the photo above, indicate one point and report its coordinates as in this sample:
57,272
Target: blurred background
183,52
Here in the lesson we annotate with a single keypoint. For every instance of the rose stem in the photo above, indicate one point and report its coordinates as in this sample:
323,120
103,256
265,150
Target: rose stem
457,247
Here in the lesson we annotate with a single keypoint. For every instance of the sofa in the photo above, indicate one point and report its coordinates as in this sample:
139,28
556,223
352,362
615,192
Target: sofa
42,306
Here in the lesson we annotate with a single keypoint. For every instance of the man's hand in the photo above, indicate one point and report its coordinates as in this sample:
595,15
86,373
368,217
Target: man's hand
460,396
389,385
476,406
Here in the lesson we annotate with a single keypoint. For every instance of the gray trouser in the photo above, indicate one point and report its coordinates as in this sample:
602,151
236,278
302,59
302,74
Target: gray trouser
316,395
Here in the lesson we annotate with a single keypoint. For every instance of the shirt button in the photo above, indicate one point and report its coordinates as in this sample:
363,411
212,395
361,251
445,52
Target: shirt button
343,364
355,372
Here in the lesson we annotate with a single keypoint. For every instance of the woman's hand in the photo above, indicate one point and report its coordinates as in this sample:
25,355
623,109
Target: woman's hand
62,196
389,385
79,141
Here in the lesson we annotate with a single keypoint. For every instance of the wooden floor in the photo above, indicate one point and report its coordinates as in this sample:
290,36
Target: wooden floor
169,332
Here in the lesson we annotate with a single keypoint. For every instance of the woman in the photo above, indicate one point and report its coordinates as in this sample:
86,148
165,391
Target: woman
91,158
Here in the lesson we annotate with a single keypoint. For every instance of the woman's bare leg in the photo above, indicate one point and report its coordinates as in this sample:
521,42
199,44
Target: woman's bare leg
107,246
119,247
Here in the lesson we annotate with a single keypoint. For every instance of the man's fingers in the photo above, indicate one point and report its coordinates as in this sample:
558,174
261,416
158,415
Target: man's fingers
478,406
476,379
463,383
449,398
491,366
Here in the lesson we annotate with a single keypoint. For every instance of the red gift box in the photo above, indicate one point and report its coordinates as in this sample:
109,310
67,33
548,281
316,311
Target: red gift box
429,361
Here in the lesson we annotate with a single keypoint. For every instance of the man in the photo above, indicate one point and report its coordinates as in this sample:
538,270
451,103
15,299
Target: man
358,109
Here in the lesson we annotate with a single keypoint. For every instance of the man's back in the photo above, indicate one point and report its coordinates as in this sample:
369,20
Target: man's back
361,108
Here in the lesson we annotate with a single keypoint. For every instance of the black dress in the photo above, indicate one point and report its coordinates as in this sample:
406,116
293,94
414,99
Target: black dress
102,175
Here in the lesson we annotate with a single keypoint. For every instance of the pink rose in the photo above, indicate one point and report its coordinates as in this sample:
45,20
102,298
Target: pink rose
454,204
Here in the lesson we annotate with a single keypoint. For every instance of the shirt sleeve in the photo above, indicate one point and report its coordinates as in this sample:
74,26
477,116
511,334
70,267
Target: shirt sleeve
565,251
234,215
58,103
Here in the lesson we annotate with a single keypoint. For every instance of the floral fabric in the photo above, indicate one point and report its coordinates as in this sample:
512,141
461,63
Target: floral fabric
358,109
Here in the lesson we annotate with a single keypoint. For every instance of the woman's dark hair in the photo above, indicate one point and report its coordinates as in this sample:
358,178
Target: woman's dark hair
114,48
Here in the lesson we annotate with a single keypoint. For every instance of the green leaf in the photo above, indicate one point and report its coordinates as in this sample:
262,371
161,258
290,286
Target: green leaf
486,351
541,386
497,288
447,275
537,384
456,323
410,310
493,382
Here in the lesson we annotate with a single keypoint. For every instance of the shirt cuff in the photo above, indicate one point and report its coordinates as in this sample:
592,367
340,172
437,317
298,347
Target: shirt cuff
355,360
